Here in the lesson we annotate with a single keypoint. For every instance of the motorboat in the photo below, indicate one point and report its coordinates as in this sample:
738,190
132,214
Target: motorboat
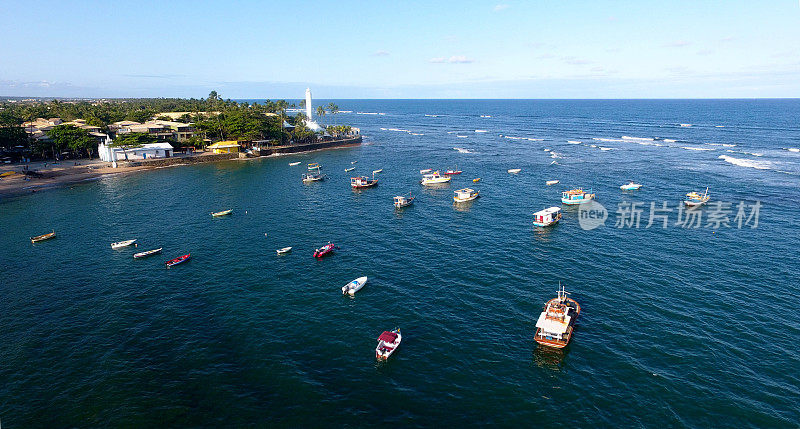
476,180
576,196
147,253
388,342
631,186
324,250
222,213
363,182
547,217
551,182
514,170
556,323
425,171
43,237
284,250
464,195
434,178
313,177
178,260
377,171
695,199
349,169
121,244
354,286
314,166
294,163
401,201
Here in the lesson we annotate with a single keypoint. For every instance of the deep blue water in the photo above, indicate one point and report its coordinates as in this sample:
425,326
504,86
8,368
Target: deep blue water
680,327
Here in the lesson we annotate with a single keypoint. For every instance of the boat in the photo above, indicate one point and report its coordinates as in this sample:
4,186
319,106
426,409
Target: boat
551,182
514,170
121,244
555,325
313,177
476,180
354,286
425,171
576,196
349,169
363,182
284,251
547,217
388,342
401,201
222,213
434,178
464,195
147,253
695,199
377,171
353,162
314,166
178,260
453,171
43,237
324,250
294,163
631,186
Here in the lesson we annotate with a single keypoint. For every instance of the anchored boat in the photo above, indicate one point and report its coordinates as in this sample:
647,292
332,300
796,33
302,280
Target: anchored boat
147,253
401,201
576,196
547,217
388,342
434,178
121,244
324,250
43,237
294,163
362,182
354,286
284,251
555,325
425,171
551,182
349,169
514,170
631,186
453,171
464,195
178,260
222,213
695,199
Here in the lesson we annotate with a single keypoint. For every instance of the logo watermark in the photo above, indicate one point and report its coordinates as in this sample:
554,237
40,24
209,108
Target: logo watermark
716,215
592,215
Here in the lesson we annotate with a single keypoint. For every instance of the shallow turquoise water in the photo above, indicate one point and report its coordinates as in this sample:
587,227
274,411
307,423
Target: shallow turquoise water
679,327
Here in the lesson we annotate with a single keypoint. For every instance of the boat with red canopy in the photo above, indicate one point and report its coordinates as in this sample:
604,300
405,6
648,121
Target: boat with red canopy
388,342
324,250
178,260
453,171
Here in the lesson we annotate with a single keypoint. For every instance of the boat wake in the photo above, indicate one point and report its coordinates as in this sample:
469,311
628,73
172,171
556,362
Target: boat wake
636,138
749,163
462,150
530,139
370,113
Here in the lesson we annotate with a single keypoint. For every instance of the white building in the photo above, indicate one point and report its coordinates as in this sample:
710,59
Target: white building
146,151
312,125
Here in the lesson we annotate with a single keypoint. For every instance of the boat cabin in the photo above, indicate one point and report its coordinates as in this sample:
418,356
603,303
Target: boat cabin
362,182
547,216
576,196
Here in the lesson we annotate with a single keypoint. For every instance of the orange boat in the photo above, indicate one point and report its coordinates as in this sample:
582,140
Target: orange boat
555,325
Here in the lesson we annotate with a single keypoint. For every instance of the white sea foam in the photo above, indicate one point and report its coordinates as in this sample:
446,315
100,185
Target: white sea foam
433,116
750,163
637,138
696,148
522,138
480,131
745,152
462,150
486,116
555,155
398,129
605,148
462,137
592,145
606,140
721,144
573,141
685,125
719,126
417,134
345,111
793,149
669,140
369,113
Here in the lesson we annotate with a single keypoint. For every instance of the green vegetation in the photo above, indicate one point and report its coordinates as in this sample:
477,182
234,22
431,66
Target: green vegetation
132,140
11,134
72,138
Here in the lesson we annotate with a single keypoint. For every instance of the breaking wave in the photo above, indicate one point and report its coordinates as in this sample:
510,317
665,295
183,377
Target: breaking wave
750,163
462,150
696,148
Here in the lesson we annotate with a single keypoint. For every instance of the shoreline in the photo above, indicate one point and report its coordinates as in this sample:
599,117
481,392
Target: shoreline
16,185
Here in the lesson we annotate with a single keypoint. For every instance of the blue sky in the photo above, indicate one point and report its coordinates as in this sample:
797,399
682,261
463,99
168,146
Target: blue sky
409,49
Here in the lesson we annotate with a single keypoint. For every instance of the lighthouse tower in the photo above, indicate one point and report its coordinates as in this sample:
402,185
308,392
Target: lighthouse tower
312,125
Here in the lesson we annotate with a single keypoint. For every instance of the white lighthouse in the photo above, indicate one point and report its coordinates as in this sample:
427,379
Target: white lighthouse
312,125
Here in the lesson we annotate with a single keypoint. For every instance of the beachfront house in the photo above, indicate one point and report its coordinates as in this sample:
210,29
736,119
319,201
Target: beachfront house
146,151
227,146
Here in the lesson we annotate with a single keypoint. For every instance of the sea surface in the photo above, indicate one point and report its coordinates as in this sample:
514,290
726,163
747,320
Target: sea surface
680,327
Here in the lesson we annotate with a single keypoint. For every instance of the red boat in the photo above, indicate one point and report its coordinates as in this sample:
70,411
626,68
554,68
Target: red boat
451,172
178,260
324,250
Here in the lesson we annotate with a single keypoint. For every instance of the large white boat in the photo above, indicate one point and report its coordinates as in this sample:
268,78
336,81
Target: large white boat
695,199
631,186
576,196
434,178
547,217
387,344
464,195
354,286
555,325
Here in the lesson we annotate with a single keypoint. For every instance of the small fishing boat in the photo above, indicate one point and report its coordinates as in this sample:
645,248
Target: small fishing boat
314,166
284,251
349,169
388,342
425,171
434,178
476,180
43,237
514,170
453,171
377,171
354,286
308,178
464,195
555,325
294,163
362,182
547,217
695,199
353,162
324,250
551,182
631,186
121,244
147,253
401,201
222,213
576,196
178,260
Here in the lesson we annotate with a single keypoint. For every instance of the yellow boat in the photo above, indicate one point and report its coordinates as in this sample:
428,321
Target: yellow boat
222,213
476,180
43,237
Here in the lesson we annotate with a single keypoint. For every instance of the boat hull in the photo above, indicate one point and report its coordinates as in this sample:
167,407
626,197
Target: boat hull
43,237
576,202
147,253
354,286
178,260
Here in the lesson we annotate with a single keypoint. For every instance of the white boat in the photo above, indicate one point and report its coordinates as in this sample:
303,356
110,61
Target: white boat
353,162
121,244
401,201
147,253
551,182
425,171
284,250
576,196
294,163
354,286
695,199
547,217
434,178
377,171
222,213
464,195
349,169
631,186
388,342
514,170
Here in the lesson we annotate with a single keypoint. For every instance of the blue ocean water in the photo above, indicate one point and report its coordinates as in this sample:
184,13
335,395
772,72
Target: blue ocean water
679,327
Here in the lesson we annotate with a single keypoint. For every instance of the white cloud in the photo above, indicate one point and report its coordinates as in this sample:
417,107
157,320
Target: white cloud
678,44
575,61
500,7
455,59
437,60
380,53
705,52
